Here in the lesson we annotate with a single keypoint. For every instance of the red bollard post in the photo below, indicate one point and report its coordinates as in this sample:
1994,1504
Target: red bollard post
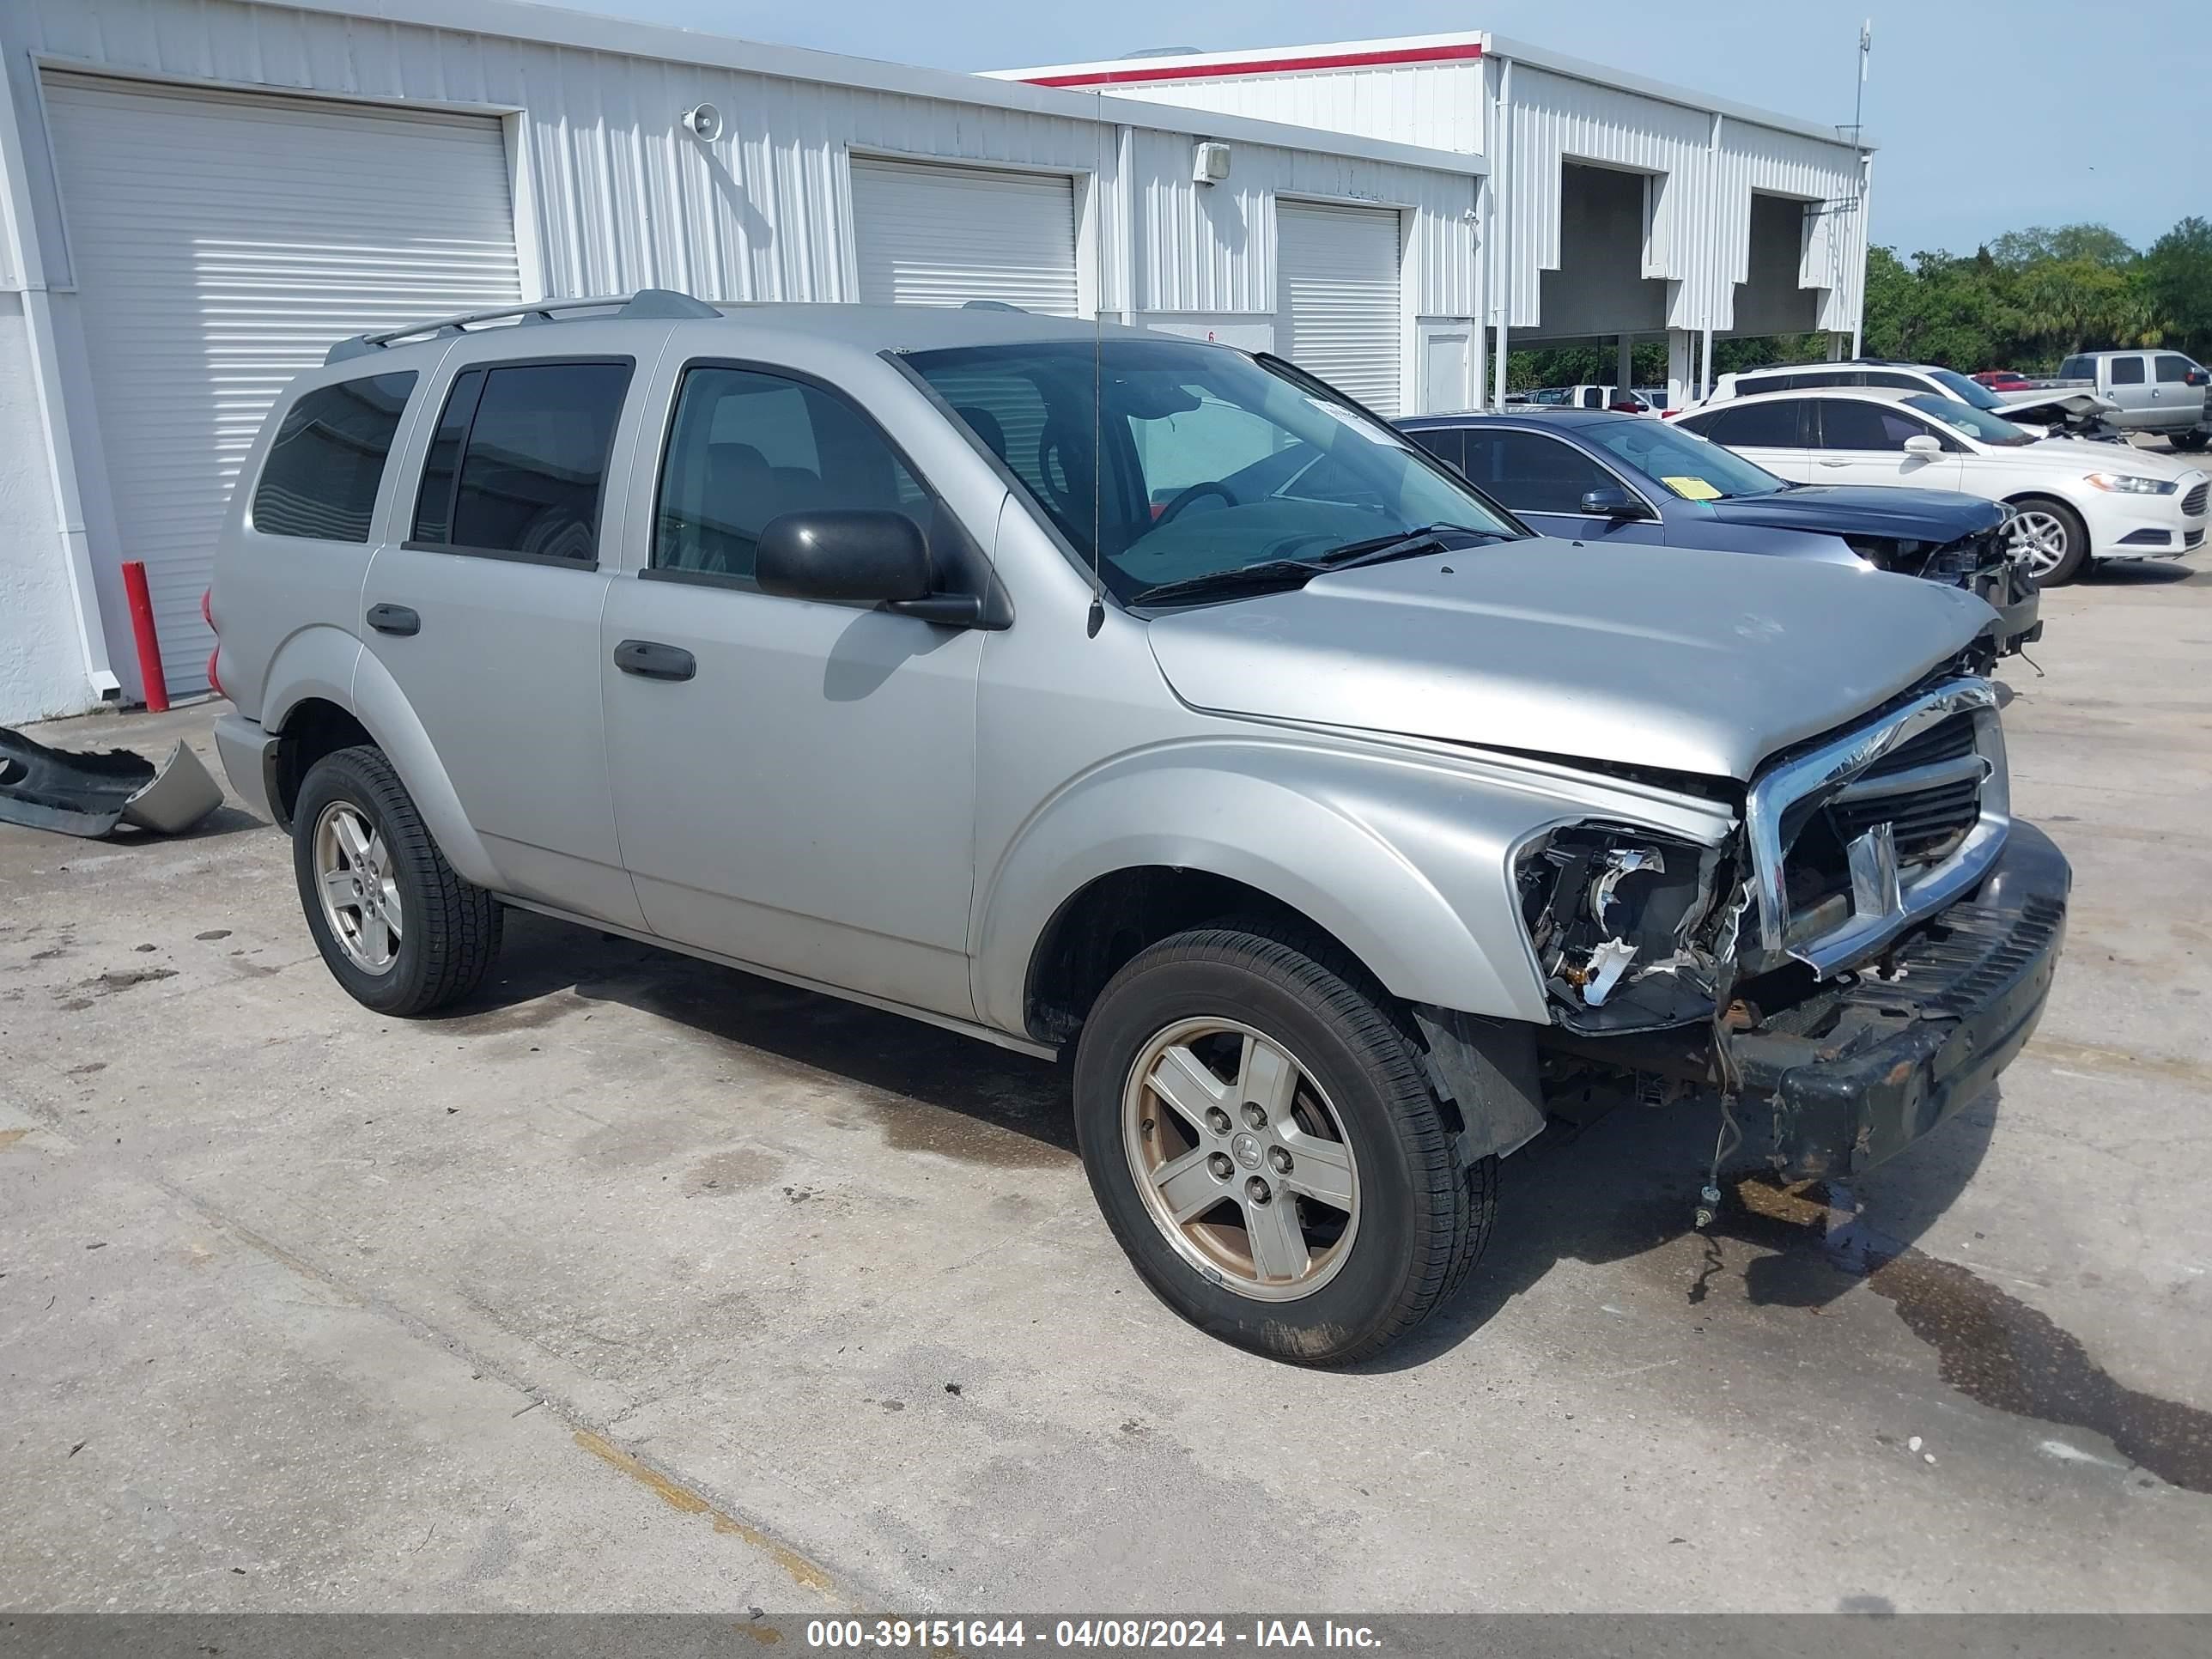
149,641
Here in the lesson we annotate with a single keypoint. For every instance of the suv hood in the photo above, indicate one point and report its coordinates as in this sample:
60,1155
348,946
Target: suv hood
1679,659
1924,515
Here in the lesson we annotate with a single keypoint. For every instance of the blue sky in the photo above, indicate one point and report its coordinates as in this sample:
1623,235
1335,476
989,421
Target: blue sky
1969,99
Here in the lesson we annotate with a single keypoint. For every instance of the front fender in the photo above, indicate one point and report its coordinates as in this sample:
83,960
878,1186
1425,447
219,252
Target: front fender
1404,855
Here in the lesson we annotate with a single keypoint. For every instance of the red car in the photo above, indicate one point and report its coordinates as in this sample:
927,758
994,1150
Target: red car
2003,380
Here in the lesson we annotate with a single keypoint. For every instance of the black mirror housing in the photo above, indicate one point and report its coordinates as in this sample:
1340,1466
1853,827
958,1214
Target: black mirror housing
1612,502
872,556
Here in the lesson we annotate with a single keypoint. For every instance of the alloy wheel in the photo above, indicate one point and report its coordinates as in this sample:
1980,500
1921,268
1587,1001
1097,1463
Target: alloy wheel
359,889
1242,1163
2041,538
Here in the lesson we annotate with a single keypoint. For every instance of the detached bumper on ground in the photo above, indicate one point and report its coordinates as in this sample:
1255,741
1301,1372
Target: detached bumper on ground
1855,1073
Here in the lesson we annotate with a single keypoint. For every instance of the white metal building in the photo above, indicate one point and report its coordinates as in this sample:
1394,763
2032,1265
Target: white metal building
198,196
1622,208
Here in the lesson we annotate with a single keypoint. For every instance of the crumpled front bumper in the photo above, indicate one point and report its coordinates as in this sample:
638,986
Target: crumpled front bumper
2011,593
1859,1070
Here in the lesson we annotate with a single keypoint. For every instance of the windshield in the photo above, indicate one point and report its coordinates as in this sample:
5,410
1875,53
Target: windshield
1965,391
1694,468
1211,463
1972,421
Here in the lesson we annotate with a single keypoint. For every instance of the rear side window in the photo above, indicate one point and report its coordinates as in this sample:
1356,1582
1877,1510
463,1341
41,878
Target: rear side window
2127,371
2077,368
2172,370
1753,425
320,479
747,446
518,466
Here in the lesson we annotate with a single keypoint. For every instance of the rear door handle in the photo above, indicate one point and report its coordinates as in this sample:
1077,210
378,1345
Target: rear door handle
394,619
650,659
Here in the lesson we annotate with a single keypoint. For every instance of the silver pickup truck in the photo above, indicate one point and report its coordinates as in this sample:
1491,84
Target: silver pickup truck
2162,393
999,671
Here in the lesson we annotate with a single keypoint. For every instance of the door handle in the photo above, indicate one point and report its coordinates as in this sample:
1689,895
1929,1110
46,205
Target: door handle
394,619
1835,463
649,659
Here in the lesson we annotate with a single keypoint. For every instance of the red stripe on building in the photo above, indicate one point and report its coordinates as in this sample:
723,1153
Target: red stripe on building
1170,70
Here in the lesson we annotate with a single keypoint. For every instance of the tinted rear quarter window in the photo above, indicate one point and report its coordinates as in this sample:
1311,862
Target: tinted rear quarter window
327,460
2127,371
519,463
2077,368
1446,443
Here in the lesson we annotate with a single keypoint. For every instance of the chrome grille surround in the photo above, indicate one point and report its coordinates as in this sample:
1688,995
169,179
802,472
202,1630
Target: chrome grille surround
1885,897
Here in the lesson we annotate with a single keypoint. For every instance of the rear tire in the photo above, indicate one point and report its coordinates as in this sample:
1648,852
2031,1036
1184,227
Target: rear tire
398,927
2055,541
1340,1213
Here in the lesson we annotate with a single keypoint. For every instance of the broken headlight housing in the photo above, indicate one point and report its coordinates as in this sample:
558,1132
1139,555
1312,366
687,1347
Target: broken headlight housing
1630,927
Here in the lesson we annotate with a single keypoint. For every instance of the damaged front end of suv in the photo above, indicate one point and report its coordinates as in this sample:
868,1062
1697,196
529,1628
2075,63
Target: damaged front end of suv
1860,955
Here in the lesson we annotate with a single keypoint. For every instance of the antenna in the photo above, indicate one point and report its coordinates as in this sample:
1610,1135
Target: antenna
1097,619
1858,101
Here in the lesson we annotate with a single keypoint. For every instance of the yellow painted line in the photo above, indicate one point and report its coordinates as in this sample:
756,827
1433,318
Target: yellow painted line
807,1575
2118,1059
9,1137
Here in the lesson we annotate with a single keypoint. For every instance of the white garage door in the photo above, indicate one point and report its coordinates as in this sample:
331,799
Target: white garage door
220,244
943,236
1339,274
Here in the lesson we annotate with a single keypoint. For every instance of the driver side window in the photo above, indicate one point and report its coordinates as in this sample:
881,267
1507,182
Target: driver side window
748,446
1846,423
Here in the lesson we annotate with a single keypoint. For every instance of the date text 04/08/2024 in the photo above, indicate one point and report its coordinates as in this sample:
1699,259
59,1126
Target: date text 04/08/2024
831,1635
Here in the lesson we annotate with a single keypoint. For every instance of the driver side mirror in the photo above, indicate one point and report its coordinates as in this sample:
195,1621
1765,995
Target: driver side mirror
874,558
1923,445
1614,503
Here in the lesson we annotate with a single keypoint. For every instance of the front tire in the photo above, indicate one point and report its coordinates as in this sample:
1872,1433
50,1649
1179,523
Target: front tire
398,927
2189,443
1262,1137
2053,538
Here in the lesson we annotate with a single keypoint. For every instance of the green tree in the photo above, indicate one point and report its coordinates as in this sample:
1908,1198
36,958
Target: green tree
2177,284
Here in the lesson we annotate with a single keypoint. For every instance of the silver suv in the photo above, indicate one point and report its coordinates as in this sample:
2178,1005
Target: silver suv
1132,696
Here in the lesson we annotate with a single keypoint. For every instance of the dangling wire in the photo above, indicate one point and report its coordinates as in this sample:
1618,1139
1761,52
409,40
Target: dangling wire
1098,358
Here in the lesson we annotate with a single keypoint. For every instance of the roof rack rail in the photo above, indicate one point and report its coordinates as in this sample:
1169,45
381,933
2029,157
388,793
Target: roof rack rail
646,304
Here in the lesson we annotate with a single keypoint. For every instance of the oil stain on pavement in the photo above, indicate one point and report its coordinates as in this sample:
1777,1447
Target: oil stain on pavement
1990,1345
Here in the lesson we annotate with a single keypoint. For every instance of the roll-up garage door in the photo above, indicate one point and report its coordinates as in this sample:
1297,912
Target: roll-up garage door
221,243
1339,274
945,235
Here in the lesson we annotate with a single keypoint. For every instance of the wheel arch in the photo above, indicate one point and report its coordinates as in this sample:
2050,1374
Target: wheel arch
1400,866
311,715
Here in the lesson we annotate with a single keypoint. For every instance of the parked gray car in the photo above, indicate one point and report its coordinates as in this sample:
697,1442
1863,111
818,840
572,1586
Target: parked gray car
951,661
2161,392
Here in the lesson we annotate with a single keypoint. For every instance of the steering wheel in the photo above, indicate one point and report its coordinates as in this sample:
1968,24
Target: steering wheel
1184,498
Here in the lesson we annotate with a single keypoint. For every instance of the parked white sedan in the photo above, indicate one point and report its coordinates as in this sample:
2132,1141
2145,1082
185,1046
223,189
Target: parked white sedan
2076,501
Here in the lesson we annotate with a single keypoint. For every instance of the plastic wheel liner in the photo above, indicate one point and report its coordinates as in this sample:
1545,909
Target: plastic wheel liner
89,795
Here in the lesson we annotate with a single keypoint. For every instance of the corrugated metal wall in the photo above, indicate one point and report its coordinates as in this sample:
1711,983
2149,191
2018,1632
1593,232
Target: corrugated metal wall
1825,176
1697,235
1553,119
1436,105
621,198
